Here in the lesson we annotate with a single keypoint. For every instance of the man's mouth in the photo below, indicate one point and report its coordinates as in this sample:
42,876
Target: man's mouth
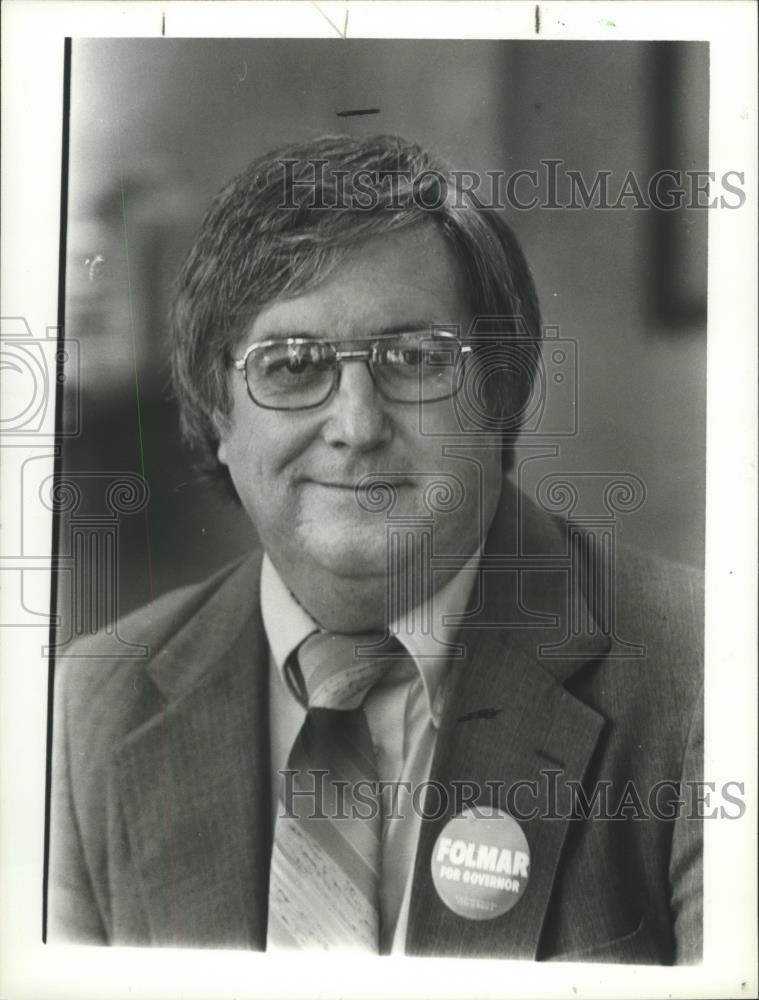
356,486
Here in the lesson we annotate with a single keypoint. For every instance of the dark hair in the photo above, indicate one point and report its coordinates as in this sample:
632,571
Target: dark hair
287,220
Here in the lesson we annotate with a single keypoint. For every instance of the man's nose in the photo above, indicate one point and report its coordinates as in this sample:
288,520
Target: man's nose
357,417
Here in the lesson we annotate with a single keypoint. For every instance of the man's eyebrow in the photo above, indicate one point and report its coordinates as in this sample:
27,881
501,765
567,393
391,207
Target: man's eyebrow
406,326
410,326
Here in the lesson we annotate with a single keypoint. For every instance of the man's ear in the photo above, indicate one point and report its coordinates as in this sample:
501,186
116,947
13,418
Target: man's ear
221,425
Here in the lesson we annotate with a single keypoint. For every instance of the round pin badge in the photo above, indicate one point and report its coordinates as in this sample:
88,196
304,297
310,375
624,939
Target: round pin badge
481,863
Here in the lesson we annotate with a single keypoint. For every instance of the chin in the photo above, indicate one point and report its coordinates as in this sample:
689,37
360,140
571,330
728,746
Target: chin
346,555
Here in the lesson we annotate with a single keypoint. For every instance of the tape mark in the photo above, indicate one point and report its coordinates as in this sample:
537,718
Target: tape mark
329,20
92,264
537,19
163,23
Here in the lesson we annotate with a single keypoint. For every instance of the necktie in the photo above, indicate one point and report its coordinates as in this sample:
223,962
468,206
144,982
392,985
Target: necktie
325,868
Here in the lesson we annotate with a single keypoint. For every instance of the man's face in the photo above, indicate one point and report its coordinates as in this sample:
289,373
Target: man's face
295,471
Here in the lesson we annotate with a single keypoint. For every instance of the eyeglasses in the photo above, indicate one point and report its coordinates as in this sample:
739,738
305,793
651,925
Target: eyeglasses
300,373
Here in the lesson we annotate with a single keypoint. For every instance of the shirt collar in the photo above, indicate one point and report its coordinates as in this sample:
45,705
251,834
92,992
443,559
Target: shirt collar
287,624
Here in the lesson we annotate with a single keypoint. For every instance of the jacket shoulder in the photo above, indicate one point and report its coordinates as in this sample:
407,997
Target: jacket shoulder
652,676
663,602
104,688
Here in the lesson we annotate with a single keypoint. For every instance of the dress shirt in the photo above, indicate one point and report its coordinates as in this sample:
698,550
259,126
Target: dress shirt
403,713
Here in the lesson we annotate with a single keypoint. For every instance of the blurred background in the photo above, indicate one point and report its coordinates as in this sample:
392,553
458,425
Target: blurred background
158,125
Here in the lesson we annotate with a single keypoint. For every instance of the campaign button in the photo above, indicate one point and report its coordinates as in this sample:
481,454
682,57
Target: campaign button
481,863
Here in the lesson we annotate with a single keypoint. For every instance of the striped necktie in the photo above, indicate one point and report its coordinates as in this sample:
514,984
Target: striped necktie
325,868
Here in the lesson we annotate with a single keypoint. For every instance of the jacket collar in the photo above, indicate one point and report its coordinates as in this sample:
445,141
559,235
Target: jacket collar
533,601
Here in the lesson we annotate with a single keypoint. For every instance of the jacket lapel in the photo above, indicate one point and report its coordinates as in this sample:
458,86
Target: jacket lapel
509,719
193,784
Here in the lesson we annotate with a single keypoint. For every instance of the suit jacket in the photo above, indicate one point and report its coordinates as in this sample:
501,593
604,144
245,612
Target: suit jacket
161,817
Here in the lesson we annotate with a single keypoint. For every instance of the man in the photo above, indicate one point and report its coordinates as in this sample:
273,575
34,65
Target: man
355,343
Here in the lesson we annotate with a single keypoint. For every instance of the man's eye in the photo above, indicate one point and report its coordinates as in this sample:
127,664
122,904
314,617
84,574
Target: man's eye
297,364
273,364
403,356
292,359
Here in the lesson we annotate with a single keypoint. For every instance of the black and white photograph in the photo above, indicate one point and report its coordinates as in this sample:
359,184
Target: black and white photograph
361,510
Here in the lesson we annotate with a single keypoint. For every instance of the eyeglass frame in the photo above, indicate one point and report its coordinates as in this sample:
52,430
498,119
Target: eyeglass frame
364,354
